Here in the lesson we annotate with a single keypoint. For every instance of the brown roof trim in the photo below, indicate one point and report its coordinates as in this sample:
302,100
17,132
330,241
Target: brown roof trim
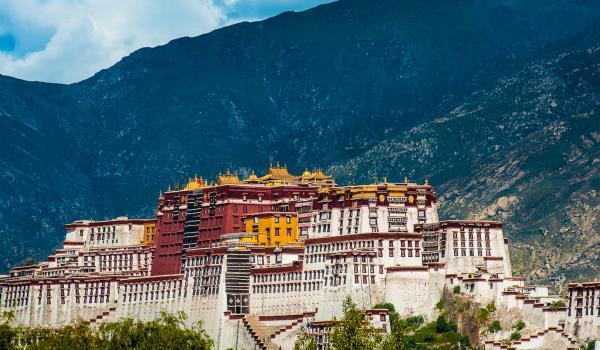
407,268
498,258
280,317
363,236
109,222
152,278
295,267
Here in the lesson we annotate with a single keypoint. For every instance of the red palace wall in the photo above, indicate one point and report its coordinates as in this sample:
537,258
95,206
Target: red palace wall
170,224
233,203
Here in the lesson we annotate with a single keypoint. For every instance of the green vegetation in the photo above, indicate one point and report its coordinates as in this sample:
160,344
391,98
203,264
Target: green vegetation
494,327
557,305
166,332
304,341
515,336
519,325
456,290
484,313
354,331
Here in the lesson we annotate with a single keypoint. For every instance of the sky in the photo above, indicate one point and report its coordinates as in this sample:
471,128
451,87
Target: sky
65,41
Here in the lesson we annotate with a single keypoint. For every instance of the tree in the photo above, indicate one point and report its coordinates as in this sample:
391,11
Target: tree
443,326
304,341
456,290
7,332
167,332
353,331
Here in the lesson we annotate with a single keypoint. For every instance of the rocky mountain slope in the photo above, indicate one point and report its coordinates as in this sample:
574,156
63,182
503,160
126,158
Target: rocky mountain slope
526,152
468,94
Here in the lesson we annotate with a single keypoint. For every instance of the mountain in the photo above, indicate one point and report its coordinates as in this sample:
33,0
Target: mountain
456,92
525,151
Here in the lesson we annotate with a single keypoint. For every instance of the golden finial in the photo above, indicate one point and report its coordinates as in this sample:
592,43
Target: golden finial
169,188
277,164
426,182
406,179
385,180
160,194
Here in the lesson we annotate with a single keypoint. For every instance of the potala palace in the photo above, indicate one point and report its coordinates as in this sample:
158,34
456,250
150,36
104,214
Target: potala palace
255,259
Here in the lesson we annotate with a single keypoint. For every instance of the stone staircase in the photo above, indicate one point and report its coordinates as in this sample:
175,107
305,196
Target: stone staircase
264,333
104,316
529,342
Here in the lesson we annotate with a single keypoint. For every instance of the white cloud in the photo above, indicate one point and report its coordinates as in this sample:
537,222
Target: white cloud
90,35
66,41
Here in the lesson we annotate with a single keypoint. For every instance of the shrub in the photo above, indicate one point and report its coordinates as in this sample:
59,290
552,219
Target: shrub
494,327
456,290
519,325
515,336
557,305
415,321
484,313
443,326
428,338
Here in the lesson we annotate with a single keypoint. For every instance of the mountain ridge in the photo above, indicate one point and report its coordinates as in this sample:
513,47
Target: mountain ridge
325,87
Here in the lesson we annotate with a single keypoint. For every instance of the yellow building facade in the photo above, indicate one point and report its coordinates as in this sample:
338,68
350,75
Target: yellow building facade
149,233
272,229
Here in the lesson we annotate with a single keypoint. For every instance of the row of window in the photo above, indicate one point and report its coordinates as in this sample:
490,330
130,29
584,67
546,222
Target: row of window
287,287
463,252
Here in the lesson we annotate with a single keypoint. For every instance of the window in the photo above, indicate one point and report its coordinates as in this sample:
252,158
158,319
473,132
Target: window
288,219
289,232
277,231
277,219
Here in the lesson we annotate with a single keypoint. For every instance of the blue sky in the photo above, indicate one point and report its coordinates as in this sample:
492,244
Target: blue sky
65,41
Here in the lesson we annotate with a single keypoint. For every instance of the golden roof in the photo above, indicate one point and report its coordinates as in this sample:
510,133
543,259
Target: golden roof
316,174
277,173
228,178
194,184
252,178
